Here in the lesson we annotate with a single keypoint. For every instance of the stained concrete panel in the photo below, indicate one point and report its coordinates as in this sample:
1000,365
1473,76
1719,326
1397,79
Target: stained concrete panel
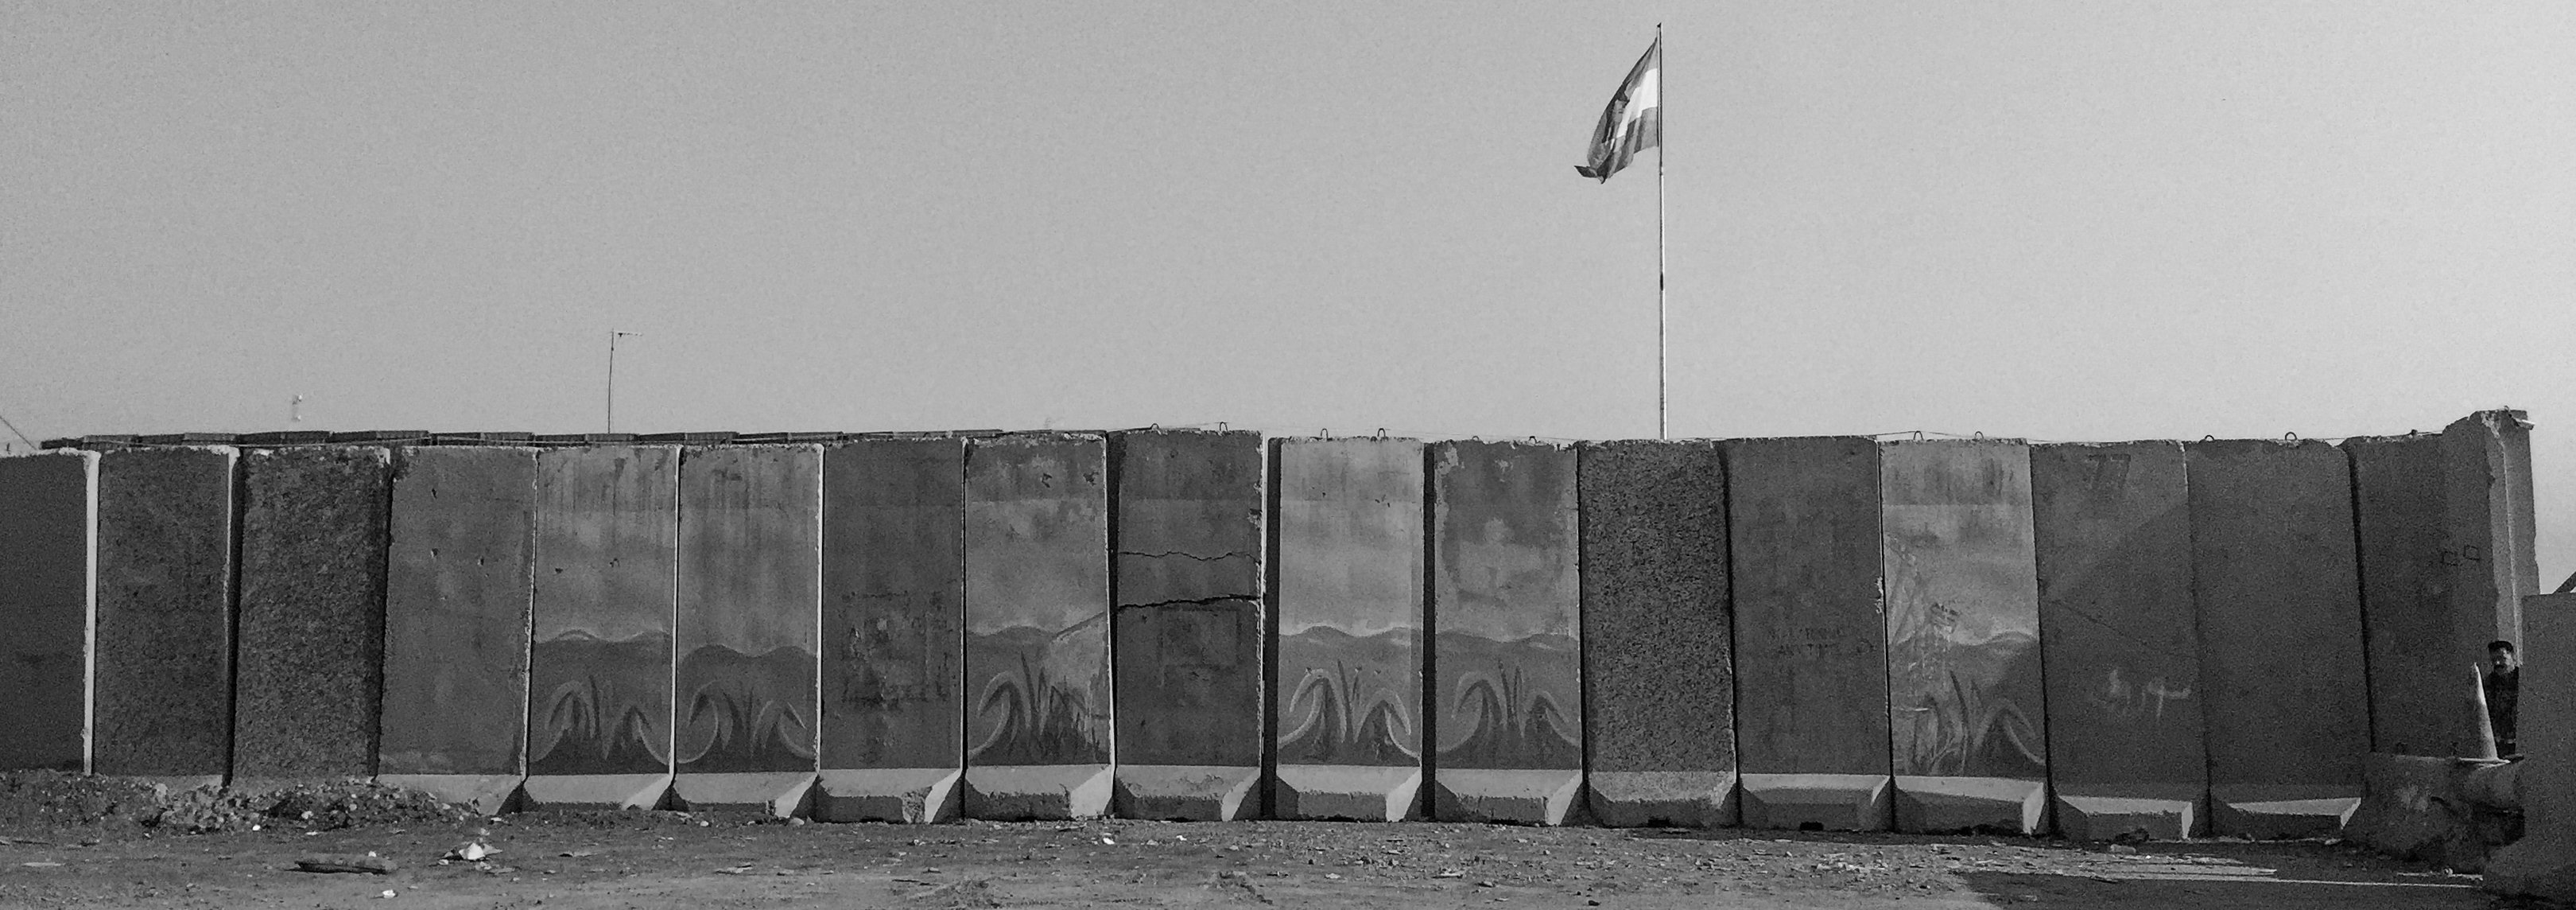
748,680
2491,522
457,577
2408,572
309,658
1347,739
1188,586
165,614
1965,694
1811,638
1039,728
1506,666
2280,630
1659,685
600,665
2112,524
2543,862
894,518
48,579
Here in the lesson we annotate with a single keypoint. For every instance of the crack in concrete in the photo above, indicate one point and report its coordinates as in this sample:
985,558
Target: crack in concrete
1231,554
1249,600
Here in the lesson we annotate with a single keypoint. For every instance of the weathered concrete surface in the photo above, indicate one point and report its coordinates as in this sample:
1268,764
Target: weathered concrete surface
747,682
2408,569
309,659
894,519
1506,665
1833,802
1810,634
1348,737
165,615
457,576
1037,631
2112,523
2543,863
48,584
1188,588
2491,521
2280,632
2446,557
1965,690
2425,808
600,667
1659,681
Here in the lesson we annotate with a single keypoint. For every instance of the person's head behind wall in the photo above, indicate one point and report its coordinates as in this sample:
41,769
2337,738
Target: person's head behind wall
2500,657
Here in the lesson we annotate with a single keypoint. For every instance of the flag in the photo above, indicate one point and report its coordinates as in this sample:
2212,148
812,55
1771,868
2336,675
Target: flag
1634,120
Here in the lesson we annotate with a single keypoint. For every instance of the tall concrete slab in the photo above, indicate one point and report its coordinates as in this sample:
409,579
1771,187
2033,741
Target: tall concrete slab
457,576
2491,522
1039,728
894,620
748,680
1507,661
1810,632
2280,631
601,619
1659,681
48,582
2543,863
2446,558
1187,583
2408,571
1966,699
1348,559
309,659
2112,525
165,614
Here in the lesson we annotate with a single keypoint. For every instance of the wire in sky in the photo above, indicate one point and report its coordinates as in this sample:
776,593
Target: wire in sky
22,437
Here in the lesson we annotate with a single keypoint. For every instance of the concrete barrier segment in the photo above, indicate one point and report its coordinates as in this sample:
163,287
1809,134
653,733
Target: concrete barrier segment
1040,724
309,659
1659,663
605,600
164,630
1507,650
893,710
48,589
1350,638
457,580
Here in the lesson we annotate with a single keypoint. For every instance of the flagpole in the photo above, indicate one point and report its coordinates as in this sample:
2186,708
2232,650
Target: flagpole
1663,86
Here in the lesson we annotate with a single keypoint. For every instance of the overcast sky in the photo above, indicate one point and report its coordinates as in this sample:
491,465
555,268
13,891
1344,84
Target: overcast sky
2055,220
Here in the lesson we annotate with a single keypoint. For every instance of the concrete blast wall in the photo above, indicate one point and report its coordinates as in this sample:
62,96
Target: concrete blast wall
2102,640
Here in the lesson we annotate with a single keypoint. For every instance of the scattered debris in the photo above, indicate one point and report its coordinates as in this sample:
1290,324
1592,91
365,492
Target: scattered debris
370,865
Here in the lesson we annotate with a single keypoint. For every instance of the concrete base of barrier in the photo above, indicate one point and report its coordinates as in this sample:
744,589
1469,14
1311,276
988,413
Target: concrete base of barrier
1679,799
1831,802
1019,792
1939,805
1528,797
781,794
1347,793
596,791
1194,793
912,795
2272,812
2129,811
486,794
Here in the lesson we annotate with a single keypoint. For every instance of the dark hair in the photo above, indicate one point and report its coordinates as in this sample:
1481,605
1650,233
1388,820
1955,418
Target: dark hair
2500,645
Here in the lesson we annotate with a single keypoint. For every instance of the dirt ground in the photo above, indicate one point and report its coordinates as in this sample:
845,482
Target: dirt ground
710,862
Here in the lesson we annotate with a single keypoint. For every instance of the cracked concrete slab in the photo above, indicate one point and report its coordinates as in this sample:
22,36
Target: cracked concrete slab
1190,531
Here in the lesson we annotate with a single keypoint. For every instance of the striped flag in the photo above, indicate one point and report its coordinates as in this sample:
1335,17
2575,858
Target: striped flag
1634,120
